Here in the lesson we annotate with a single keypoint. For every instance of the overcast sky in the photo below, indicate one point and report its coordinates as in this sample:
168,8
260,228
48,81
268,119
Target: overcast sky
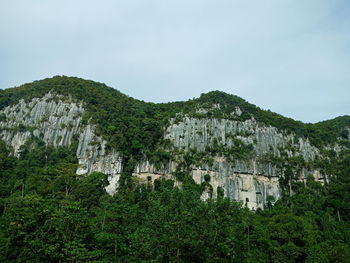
289,56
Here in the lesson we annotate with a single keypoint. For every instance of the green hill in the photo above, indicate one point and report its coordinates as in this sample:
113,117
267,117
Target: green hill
122,119
49,212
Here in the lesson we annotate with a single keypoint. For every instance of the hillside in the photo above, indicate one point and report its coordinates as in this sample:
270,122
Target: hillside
99,98
239,145
66,141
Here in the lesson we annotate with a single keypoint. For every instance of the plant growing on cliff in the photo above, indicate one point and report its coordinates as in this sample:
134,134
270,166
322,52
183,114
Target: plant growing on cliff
165,224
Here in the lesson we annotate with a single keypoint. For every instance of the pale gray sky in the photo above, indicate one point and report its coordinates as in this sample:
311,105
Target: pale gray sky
289,56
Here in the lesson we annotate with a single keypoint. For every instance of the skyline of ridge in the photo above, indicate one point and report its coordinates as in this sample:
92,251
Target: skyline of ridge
175,101
291,57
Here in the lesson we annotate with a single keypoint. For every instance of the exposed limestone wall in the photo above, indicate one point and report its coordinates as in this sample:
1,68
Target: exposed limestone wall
250,188
93,157
57,120
249,181
54,122
200,133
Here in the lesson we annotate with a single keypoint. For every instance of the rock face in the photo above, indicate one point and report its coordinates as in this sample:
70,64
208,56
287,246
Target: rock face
54,122
201,133
57,121
252,179
92,156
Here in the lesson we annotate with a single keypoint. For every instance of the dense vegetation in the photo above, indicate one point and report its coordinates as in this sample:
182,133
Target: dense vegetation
49,214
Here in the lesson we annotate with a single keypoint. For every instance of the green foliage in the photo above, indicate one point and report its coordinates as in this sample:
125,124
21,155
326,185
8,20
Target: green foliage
207,178
238,151
50,214
3,117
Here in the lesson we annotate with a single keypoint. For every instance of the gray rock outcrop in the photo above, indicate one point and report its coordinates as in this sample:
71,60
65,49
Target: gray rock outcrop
57,121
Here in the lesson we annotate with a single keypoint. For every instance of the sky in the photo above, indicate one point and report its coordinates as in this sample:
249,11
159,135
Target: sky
289,56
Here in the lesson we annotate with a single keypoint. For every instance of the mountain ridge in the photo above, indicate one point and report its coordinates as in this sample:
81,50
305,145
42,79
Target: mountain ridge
79,88
88,174
248,152
214,93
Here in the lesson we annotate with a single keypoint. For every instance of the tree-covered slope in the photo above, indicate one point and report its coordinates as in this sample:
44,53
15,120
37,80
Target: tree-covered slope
49,212
218,133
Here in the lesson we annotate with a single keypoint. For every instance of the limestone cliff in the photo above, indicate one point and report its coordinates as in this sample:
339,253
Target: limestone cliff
57,121
244,158
250,180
